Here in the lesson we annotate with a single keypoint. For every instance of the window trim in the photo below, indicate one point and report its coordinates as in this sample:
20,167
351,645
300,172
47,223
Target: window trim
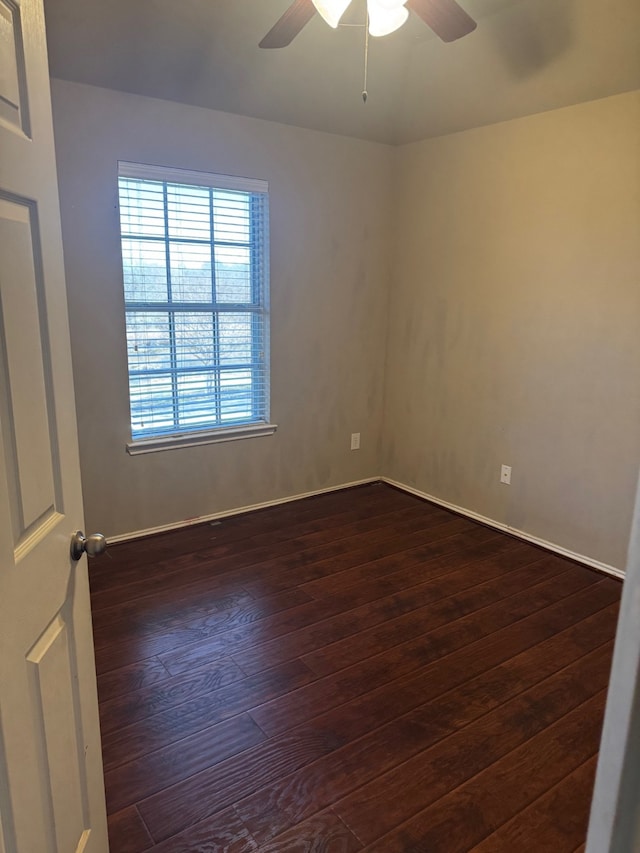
196,439
145,172
213,435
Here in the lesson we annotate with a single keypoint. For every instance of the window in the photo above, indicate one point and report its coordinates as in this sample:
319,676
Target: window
195,271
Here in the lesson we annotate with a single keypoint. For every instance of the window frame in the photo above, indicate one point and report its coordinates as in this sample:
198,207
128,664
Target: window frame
166,439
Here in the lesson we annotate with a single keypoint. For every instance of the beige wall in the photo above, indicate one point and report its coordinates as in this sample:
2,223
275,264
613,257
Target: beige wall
513,286
329,275
515,323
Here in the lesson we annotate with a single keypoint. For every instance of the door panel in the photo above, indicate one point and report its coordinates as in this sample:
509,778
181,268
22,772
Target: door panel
28,431
13,82
52,675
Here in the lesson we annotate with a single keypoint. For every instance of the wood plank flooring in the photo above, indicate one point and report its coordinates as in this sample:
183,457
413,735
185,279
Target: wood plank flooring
360,670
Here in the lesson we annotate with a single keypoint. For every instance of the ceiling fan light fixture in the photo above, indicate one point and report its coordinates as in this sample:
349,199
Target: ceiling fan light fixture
386,16
446,18
331,10
390,4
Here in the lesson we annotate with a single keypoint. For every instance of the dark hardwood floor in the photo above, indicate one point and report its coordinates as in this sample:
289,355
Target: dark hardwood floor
355,671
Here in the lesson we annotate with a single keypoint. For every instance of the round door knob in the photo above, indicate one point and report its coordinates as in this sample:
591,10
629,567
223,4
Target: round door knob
93,545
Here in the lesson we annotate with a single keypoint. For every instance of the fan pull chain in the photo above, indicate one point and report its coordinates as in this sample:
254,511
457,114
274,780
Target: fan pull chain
366,56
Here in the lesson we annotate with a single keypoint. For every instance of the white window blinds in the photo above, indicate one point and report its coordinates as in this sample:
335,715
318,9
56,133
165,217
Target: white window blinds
195,270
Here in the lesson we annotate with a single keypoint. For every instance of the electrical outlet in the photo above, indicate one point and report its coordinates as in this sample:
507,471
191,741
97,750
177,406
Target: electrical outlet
355,441
505,475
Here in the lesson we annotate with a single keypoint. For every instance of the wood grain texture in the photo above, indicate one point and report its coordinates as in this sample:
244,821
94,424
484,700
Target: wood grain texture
552,821
148,701
200,796
359,670
223,833
175,554
142,673
479,585
152,772
291,799
323,833
399,795
459,820
127,832
172,725
376,685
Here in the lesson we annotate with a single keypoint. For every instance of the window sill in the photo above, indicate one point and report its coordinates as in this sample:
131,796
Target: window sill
195,439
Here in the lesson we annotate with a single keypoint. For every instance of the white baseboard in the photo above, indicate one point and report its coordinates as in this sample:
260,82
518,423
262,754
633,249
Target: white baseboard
200,519
520,534
505,528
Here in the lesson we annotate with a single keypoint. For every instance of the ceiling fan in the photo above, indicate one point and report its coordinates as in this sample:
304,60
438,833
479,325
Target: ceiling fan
445,17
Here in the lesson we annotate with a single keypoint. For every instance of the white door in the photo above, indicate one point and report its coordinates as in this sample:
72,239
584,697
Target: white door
51,787
614,826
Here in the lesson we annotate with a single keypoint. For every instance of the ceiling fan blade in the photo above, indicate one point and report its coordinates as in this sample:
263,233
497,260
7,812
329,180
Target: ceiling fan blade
445,17
289,25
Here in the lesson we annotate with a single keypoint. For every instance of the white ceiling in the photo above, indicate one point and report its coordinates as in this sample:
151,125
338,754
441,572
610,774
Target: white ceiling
526,56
